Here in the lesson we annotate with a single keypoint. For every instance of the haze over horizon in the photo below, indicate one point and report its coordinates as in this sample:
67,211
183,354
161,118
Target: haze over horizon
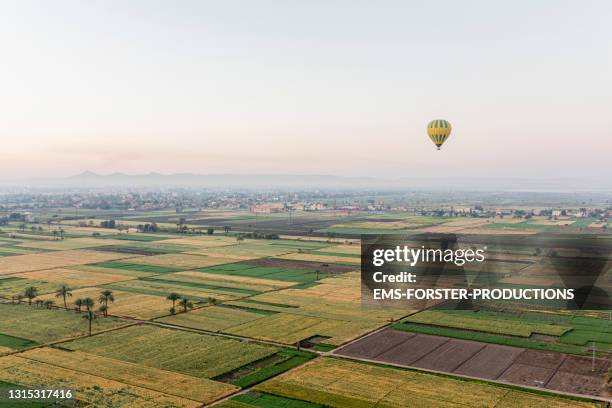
307,182
339,88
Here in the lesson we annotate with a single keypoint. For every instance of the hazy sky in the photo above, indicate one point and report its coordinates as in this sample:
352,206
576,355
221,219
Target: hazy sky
306,87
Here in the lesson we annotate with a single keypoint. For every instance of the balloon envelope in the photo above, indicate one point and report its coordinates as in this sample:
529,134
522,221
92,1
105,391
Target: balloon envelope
439,130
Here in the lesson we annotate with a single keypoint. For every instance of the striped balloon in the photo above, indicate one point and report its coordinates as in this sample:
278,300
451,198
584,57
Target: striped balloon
438,131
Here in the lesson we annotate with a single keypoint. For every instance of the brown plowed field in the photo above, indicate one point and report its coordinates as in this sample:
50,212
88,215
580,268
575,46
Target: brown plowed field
533,368
412,349
373,346
490,362
450,355
304,265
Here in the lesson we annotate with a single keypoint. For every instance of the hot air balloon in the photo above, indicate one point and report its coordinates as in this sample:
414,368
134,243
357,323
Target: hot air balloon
438,131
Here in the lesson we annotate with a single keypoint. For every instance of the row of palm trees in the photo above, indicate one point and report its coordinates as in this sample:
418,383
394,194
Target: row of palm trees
184,302
106,297
64,292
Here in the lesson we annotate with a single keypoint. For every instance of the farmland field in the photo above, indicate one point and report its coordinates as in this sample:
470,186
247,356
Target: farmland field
199,355
90,388
71,277
566,333
134,304
273,315
49,260
13,286
214,318
43,325
167,382
340,383
541,369
184,261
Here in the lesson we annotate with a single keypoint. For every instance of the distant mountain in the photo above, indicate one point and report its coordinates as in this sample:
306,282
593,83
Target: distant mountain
89,179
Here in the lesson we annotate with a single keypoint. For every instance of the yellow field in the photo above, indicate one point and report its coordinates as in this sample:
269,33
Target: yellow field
342,288
204,241
214,318
10,287
322,258
392,225
230,281
322,240
340,383
227,257
50,260
552,222
131,304
43,325
70,243
455,226
167,382
87,230
354,249
163,288
249,250
284,328
181,260
91,389
331,308
499,231
112,271
71,277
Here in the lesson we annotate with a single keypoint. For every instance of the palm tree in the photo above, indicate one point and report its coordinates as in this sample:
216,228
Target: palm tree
39,302
212,300
78,303
49,303
88,303
105,296
63,292
317,272
31,292
104,310
185,304
173,297
239,239
90,316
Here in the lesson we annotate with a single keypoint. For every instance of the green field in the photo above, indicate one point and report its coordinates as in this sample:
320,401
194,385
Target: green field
5,386
137,267
567,333
278,274
267,401
15,343
135,237
259,371
487,322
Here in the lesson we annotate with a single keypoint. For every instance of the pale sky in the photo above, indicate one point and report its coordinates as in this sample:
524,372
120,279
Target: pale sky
306,87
